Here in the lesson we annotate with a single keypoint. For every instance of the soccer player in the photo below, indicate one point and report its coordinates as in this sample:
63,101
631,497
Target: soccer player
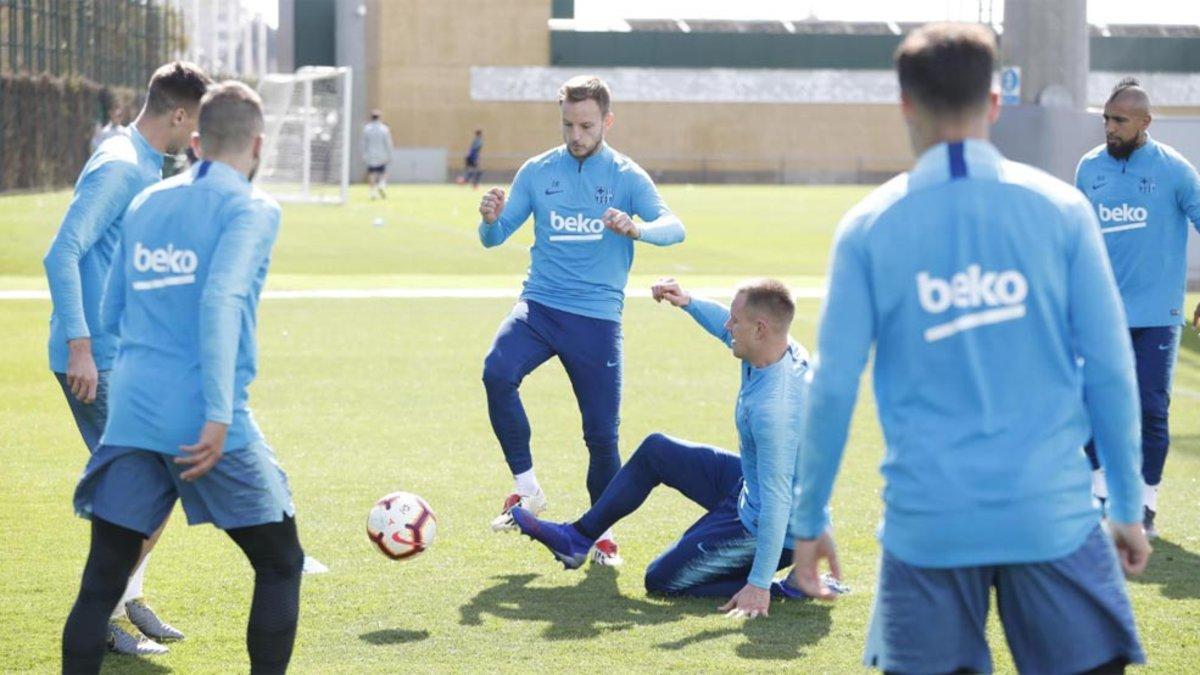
183,296
583,196
999,347
77,264
471,171
377,152
1144,193
735,548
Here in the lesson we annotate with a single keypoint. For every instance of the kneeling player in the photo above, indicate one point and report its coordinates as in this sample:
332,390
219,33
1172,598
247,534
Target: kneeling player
183,295
736,548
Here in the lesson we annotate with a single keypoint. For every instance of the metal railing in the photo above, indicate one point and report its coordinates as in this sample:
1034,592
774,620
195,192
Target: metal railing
111,42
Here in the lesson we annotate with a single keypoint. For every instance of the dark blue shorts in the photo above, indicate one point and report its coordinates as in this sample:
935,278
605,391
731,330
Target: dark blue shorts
89,417
1062,616
137,489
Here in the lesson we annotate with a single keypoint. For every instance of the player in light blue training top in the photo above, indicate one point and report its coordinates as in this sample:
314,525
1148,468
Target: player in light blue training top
1144,193
582,195
999,349
736,547
77,264
183,297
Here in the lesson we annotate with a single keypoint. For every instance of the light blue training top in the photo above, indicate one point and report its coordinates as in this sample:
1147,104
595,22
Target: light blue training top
1000,347
576,264
79,258
1144,203
768,424
183,297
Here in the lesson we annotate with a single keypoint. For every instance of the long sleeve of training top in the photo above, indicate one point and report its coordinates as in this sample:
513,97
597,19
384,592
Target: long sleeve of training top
1109,383
113,303
660,227
100,198
1188,193
517,209
845,332
238,263
775,440
712,317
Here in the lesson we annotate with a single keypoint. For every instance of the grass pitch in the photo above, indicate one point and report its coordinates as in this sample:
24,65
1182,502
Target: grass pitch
362,397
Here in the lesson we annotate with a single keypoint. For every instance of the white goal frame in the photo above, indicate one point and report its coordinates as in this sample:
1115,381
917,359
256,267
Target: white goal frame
302,189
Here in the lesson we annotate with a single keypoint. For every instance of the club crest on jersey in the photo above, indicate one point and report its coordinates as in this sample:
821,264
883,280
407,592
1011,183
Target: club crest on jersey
1146,186
603,197
989,297
179,264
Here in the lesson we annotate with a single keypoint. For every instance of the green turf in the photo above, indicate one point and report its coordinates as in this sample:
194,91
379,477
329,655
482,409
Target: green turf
362,397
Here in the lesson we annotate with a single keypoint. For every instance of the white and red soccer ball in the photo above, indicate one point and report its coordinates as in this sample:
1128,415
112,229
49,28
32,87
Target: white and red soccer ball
402,525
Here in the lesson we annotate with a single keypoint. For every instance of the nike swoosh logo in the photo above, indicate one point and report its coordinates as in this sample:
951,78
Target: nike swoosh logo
553,192
700,546
612,364
1164,347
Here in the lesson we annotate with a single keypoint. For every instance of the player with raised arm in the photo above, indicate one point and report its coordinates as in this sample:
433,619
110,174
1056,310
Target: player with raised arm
1144,193
183,297
735,548
1000,346
583,196
77,265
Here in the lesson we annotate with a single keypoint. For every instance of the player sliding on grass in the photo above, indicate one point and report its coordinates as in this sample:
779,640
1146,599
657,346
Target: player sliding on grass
583,196
734,550
183,295
1000,345
77,264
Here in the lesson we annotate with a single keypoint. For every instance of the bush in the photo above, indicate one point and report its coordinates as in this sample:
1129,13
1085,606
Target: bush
46,125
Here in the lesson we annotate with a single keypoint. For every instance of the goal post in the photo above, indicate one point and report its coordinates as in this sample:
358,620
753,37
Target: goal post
306,156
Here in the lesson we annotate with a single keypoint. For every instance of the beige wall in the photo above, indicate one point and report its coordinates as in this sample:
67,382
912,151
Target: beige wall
418,69
419,55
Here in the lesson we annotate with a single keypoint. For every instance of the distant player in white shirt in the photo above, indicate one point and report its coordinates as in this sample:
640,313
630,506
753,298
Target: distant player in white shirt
377,152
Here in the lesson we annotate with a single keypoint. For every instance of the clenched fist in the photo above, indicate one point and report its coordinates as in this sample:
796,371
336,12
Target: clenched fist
491,205
618,221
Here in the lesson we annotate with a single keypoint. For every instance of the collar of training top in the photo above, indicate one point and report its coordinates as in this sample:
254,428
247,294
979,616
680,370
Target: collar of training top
956,161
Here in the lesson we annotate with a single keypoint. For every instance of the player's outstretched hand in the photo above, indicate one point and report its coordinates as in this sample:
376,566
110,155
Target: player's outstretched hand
668,289
806,573
82,377
618,221
1132,546
205,454
749,603
491,205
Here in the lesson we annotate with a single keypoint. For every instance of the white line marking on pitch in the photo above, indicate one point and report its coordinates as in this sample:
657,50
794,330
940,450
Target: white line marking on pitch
806,293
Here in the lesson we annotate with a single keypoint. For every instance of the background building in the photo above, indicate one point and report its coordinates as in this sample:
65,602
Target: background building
777,101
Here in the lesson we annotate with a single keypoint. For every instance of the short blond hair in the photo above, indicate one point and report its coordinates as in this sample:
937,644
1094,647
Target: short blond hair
231,117
585,87
770,297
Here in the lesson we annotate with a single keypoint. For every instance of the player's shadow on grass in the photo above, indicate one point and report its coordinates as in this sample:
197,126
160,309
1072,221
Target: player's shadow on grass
124,663
393,636
586,610
1174,568
791,626
595,606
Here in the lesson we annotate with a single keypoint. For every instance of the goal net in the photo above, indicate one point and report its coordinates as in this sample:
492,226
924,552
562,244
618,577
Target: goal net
306,156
